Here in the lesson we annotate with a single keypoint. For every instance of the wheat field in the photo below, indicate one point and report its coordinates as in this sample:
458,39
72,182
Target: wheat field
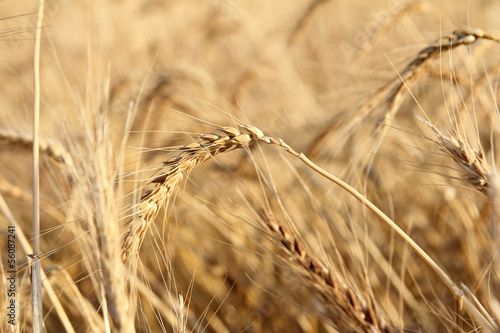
251,166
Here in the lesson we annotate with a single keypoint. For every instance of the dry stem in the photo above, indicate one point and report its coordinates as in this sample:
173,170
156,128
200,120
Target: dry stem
36,276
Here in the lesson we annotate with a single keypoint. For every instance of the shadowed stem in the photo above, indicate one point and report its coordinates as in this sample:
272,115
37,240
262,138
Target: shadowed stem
23,241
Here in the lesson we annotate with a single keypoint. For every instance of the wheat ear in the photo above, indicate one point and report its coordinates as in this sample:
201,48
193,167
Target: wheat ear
345,299
191,155
389,96
445,43
47,146
471,161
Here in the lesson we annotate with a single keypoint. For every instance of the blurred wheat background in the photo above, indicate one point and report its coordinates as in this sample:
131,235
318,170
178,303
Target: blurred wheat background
381,94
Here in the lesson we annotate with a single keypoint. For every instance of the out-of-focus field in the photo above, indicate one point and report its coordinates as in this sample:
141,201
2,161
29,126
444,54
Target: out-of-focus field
124,84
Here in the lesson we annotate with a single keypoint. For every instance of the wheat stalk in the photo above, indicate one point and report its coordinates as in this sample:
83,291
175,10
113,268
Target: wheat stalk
25,245
36,276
